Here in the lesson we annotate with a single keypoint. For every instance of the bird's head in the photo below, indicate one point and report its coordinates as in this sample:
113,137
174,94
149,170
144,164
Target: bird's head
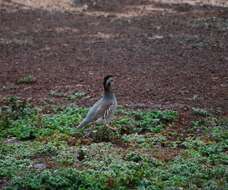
108,82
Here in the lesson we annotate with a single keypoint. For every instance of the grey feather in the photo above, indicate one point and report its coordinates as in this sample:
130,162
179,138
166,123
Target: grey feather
103,109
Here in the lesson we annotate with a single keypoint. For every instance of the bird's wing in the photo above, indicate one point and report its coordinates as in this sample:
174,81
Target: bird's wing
101,108
96,111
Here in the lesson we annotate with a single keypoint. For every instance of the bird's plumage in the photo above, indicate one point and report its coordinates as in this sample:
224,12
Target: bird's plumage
104,108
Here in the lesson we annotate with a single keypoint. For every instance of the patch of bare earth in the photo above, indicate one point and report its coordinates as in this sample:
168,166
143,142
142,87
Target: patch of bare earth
163,54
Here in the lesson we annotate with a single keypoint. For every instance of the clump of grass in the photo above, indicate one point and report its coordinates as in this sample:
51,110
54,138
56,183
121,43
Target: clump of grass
200,112
103,134
55,93
11,166
13,111
16,108
76,95
153,121
144,140
220,24
28,79
20,119
135,157
68,96
65,158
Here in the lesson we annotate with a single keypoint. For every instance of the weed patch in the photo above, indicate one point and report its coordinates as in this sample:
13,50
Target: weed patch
28,79
48,152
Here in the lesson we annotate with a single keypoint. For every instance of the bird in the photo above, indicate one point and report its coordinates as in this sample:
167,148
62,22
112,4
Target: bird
104,108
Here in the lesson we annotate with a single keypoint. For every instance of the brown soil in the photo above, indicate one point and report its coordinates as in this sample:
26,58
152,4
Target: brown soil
163,55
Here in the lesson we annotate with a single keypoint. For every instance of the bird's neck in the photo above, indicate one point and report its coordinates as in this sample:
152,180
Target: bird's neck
108,92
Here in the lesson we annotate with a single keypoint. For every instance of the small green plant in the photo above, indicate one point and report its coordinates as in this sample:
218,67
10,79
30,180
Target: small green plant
144,140
134,157
153,121
217,23
15,108
55,93
200,112
65,158
103,133
73,96
28,79
198,124
11,166
76,95
13,111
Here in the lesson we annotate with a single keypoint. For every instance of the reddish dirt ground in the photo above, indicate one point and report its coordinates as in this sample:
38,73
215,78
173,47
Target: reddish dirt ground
173,56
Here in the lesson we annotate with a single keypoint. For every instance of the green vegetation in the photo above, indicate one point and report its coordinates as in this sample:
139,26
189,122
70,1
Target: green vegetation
200,112
220,24
69,96
28,79
76,95
46,151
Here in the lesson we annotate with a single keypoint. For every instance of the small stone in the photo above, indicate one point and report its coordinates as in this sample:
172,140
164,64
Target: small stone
40,166
12,140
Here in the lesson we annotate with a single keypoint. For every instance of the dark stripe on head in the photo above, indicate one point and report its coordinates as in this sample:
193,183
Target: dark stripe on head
106,78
